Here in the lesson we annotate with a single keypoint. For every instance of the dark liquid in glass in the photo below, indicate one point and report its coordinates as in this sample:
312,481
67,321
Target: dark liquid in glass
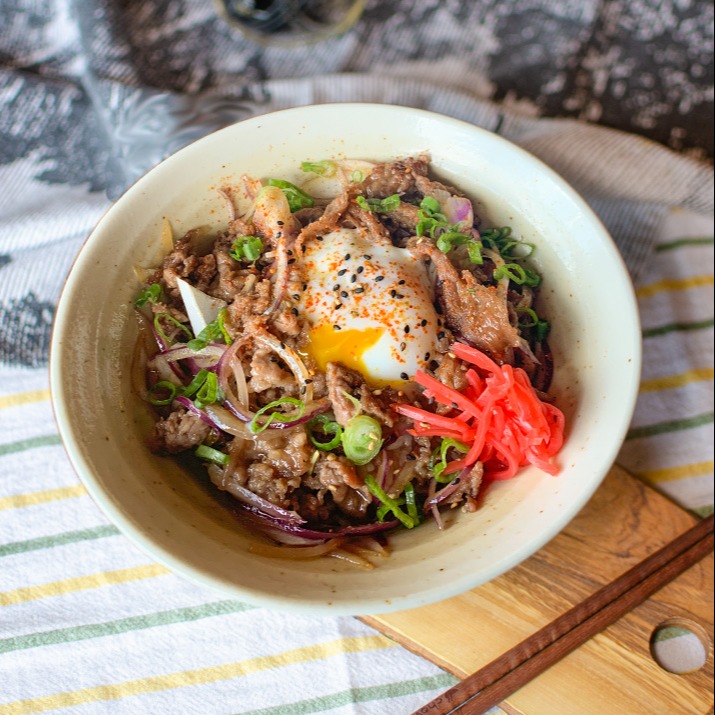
273,21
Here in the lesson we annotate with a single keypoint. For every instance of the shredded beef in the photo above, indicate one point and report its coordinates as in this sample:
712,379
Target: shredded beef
347,489
180,431
397,177
474,311
341,380
184,262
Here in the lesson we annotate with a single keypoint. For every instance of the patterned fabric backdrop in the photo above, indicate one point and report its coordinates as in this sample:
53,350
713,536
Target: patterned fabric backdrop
95,92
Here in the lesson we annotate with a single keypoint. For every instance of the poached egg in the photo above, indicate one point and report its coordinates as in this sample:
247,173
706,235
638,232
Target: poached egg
370,306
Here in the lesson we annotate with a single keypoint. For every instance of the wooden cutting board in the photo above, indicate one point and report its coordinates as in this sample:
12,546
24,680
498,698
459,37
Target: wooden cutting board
615,671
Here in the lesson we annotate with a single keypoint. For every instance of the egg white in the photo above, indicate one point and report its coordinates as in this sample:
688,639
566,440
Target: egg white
354,284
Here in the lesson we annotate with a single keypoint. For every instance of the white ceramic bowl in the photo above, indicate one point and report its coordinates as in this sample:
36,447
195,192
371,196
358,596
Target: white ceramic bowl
587,295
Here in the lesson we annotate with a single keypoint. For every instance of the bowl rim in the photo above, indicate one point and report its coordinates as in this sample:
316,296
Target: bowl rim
362,606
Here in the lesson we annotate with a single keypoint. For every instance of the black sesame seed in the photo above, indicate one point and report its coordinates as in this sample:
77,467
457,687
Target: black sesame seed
303,390
296,296
305,286
343,294
403,346
423,323
407,329
280,223
289,252
347,256
336,327
455,405
401,283
294,311
283,346
353,278
393,293
360,269
318,238
399,296
291,261
427,356
404,376
440,335
410,457
380,278
309,381
336,286
338,306
433,365
359,290
342,272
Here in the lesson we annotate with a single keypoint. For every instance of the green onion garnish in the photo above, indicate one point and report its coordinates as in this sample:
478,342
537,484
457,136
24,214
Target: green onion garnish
518,274
193,387
212,455
362,439
163,385
151,294
474,251
211,333
438,469
410,499
256,428
171,319
357,177
297,198
246,248
391,504
327,426
322,168
451,239
209,393
379,205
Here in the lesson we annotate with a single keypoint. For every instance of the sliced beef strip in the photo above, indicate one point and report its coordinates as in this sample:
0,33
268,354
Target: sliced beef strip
468,489
184,262
339,477
180,431
476,312
266,373
341,380
397,177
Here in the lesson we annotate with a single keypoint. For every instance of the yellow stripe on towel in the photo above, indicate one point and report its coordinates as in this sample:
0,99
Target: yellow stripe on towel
671,474
24,398
31,498
674,284
198,676
670,382
81,583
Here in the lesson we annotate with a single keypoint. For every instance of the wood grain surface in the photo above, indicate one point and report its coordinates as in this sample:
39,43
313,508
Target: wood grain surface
614,672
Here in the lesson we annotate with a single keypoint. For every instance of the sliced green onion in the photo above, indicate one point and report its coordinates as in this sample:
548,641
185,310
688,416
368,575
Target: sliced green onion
357,177
474,251
362,439
410,499
211,455
392,504
430,205
221,319
246,248
163,385
211,333
518,274
543,328
438,469
451,239
151,294
379,205
328,426
209,393
297,198
193,387
171,319
256,428
322,168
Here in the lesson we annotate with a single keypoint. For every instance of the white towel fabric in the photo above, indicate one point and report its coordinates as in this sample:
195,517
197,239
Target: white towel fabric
87,624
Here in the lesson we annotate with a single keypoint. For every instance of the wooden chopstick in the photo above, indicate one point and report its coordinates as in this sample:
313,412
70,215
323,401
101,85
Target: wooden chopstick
492,684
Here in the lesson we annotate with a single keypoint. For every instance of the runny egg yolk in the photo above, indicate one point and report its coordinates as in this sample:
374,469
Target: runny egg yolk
345,346
370,305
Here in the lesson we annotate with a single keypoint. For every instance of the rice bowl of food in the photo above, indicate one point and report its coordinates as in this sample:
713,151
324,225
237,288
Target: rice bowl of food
348,371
